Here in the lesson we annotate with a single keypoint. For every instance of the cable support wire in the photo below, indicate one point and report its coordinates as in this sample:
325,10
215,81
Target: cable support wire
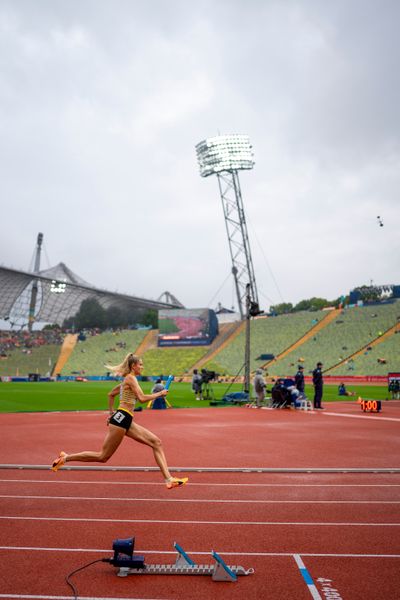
219,289
266,262
47,256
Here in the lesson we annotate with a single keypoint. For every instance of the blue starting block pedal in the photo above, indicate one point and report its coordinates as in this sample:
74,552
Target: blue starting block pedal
183,559
222,572
184,565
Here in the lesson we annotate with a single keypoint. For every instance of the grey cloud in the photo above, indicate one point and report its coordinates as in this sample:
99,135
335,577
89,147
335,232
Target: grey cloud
101,105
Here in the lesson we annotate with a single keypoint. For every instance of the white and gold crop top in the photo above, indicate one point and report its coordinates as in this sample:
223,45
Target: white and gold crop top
127,398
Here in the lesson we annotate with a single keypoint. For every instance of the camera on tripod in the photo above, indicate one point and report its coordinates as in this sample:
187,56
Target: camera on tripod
208,376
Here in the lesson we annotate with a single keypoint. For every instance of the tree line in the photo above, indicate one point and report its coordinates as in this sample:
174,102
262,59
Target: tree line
311,304
92,315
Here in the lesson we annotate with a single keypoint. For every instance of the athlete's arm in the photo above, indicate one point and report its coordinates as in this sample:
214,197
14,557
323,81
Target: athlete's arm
135,387
111,396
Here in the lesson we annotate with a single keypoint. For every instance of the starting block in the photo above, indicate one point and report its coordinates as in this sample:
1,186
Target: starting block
131,564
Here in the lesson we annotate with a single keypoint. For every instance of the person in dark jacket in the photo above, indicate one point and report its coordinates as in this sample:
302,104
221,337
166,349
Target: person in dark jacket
197,382
318,383
299,379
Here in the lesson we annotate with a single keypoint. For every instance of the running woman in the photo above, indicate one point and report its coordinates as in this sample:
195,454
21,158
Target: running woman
121,424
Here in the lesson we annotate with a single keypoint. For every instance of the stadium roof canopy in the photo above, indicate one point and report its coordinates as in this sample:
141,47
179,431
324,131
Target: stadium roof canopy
59,295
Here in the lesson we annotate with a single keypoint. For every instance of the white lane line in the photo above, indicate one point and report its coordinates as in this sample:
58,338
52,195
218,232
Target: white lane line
31,596
240,470
192,484
363,416
196,500
307,577
170,522
200,553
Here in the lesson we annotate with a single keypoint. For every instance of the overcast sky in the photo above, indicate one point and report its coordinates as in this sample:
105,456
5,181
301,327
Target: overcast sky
102,104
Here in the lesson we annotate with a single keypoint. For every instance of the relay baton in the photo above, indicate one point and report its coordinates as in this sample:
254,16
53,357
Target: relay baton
169,381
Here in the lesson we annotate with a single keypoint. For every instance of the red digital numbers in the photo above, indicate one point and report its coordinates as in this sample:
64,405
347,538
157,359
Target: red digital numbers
370,405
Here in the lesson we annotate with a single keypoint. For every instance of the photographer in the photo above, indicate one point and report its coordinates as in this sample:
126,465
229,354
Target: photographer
207,377
197,382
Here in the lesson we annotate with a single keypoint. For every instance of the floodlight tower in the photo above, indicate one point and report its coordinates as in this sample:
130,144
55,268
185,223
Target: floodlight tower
224,156
34,293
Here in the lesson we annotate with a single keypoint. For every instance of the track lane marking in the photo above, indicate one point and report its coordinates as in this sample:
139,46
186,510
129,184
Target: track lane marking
201,553
38,597
331,414
160,484
170,522
307,577
241,470
195,500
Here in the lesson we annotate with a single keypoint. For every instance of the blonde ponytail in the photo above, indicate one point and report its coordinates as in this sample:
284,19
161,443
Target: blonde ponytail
126,366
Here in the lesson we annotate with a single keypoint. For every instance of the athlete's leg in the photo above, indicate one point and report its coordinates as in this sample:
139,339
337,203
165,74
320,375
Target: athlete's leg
144,436
114,437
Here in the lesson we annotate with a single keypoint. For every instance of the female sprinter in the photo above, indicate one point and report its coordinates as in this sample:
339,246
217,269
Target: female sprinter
121,423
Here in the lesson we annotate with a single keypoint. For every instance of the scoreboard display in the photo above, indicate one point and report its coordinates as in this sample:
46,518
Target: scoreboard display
187,327
372,406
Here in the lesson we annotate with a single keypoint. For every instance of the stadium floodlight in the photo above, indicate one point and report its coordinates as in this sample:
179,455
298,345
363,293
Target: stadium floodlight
224,156
58,287
224,153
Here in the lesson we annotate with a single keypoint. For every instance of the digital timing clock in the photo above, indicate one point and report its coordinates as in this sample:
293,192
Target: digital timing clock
370,405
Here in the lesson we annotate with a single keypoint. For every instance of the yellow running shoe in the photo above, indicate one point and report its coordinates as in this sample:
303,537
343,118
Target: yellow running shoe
175,482
59,462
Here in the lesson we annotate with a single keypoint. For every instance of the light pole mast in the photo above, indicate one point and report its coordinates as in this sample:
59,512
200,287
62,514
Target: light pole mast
246,386
36,269
225,156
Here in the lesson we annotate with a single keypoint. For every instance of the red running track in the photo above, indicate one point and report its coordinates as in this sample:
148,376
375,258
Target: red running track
341,527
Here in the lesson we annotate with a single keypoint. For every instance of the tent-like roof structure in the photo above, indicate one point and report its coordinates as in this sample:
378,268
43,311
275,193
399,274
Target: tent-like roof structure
60,293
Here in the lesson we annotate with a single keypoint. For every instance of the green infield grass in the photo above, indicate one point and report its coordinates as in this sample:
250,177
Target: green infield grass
62,396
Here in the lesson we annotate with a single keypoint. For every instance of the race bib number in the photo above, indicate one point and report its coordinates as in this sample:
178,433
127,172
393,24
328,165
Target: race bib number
119,417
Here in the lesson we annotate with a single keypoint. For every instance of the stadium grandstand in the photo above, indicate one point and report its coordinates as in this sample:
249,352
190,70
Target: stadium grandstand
374,359
352,330
269,337
23,352
361,340
312,335
93,350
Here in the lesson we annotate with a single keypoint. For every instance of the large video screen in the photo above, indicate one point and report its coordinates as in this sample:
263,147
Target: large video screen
187,327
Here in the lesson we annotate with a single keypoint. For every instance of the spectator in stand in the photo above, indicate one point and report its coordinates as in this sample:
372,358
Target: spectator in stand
25,340
299,379
197,382
259,387
318,383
